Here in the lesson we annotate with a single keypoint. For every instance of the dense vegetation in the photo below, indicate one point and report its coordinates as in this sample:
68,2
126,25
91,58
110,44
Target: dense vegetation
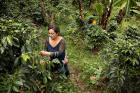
102,45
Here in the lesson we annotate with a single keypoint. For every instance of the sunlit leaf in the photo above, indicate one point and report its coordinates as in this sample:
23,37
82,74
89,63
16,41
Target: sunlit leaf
19,83
138,4
25,57
2,50
117,2
9,40
123,5
15,89
136,11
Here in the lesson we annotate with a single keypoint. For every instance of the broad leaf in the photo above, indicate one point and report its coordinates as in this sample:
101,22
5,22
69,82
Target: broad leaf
20,83
15,89
99,8
25,57
9,40
136,11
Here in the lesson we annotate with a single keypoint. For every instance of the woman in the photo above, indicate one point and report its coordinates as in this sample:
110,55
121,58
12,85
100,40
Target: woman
55,48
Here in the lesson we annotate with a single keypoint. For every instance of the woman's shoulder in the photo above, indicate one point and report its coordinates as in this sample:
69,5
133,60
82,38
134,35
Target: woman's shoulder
62,39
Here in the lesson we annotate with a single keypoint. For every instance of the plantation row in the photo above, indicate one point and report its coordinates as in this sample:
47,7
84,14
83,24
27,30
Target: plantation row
102,38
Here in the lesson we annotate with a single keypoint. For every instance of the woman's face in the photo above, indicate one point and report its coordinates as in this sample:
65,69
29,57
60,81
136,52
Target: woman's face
52,34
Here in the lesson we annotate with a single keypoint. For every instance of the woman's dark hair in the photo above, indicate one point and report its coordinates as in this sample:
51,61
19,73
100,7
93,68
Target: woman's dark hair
54,27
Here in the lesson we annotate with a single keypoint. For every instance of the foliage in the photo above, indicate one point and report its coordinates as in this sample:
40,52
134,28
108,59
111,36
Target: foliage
122,56
10,83
99,8
88,66
130,6
27,71
72,33
92,72
23,70
135,9
18,8
95,36
13,36
112,28
112,25
65,13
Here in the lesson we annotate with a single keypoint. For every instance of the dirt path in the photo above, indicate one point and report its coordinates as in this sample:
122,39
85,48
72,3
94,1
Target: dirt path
75,78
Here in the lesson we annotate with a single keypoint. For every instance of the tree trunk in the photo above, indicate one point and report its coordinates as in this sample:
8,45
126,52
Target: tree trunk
120,15
105,16
81,9
90,3
43,11
80,20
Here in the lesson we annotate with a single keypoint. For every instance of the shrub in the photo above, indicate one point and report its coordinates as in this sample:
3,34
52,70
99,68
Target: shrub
22,68
123,59
95,37
13,36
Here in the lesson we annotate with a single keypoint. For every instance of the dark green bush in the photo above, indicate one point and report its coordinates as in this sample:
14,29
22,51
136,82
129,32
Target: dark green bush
22,69
13,36
95,36
123,59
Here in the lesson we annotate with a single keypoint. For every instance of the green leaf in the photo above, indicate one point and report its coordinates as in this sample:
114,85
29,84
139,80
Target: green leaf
117,2
16,61
123,5
45,80
1,50
135,62
25,57
138,4
9,88
136,11
19,83
127,7
9,40
15,89
99,8
3,40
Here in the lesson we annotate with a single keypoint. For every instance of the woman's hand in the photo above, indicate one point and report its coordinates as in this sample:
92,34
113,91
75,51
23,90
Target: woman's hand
65,60
45,53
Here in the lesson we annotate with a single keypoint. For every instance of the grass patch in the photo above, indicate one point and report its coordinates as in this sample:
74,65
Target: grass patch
88,64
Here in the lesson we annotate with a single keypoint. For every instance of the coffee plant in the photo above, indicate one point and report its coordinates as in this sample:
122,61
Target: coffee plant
22,68
123,59
95,37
